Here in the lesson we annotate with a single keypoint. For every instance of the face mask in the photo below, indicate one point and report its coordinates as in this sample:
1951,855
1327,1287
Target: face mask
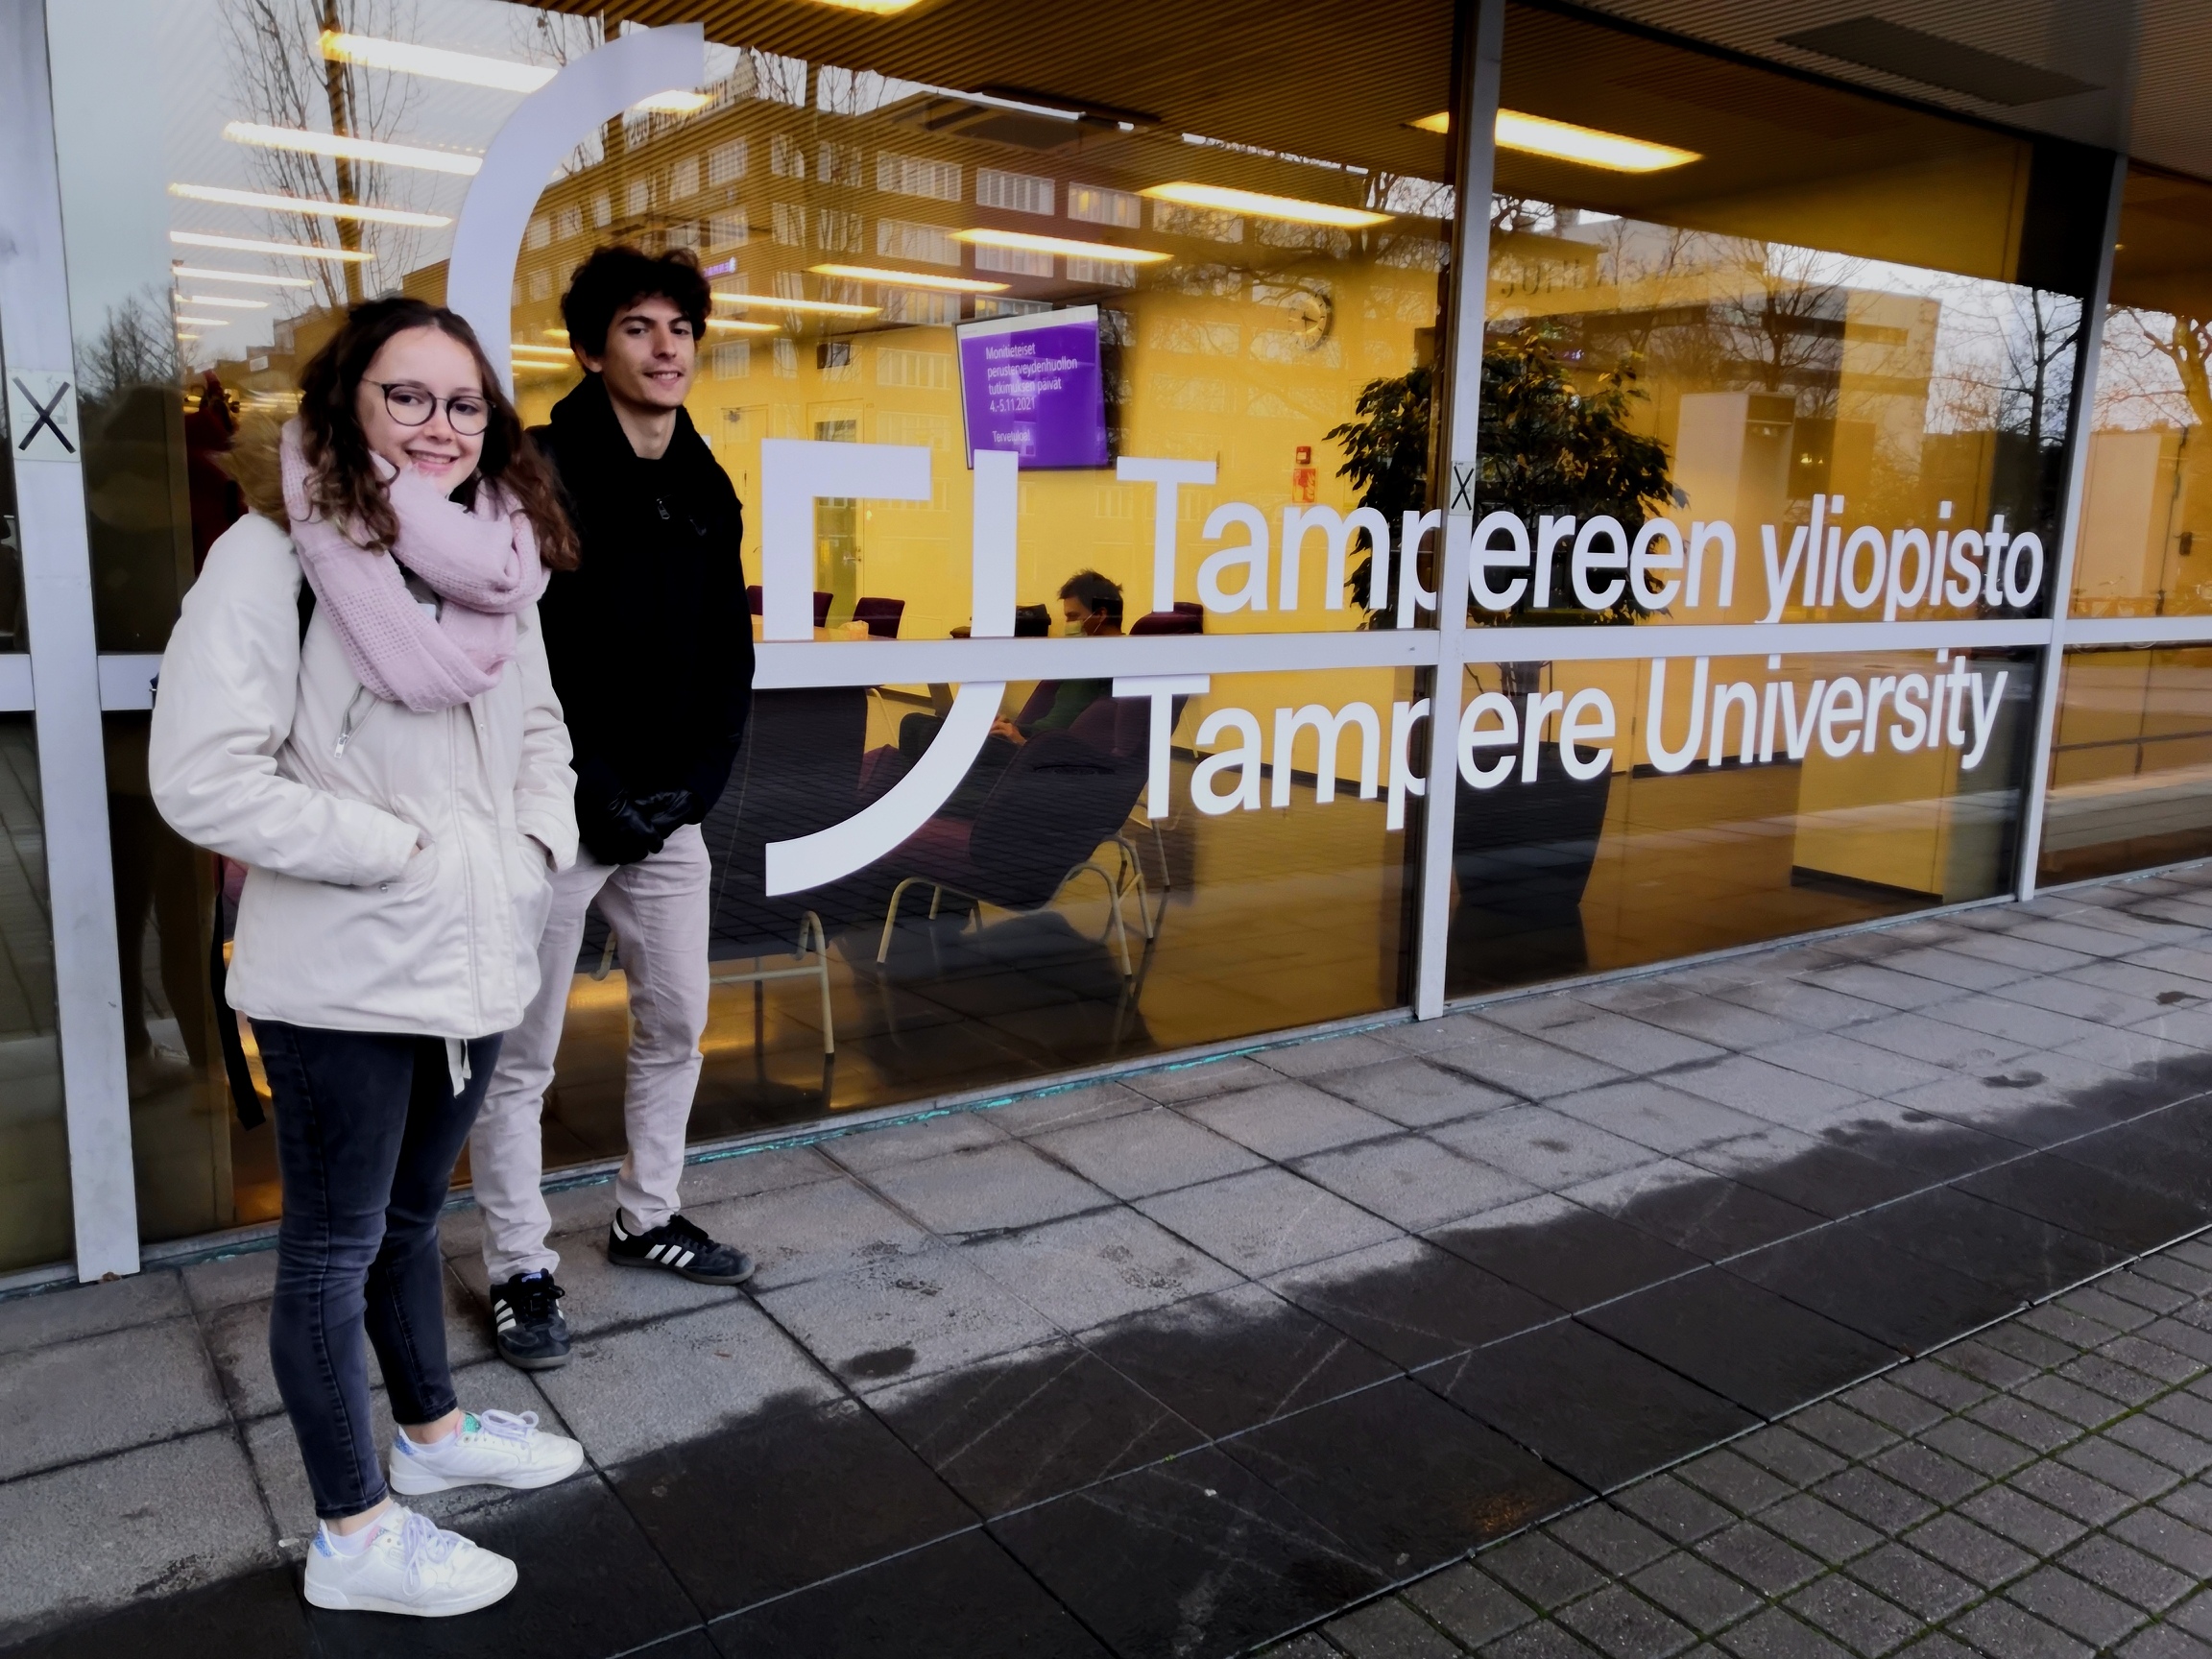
1072,630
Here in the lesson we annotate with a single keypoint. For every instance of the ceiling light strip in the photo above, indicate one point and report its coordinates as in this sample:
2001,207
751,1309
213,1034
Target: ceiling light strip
285,250
372,150
1262,205
908,278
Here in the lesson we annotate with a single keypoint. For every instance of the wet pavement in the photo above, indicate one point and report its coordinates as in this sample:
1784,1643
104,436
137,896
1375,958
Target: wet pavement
1195,1360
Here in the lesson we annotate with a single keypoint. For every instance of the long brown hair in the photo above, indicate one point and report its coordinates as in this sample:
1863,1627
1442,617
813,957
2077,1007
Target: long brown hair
342,483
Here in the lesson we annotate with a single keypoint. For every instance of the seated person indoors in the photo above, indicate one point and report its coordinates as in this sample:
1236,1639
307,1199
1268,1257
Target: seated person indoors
1092,606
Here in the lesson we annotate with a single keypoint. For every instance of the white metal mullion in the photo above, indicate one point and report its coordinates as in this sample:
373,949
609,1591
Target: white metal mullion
1474,127
2082,417
57,602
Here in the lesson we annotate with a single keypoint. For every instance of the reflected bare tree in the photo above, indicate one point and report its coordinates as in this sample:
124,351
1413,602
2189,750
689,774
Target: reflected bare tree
2038,390
136,346
282,79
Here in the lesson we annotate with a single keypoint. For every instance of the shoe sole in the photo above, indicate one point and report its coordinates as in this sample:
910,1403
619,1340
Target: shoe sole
410,1482
338,1602
681,1272
543,1363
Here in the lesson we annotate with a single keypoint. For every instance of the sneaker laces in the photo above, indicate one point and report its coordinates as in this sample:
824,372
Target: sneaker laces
507,1424
686,1229
533,1299
423,1544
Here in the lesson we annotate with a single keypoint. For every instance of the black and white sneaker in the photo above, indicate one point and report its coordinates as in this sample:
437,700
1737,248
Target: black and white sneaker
681,1247
526,1323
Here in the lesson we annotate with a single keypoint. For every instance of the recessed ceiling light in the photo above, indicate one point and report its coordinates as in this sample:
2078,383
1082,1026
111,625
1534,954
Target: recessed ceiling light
873,7
206,322
207,273
222,302
1564,141
730,326
435,63
1262,205
307,204
909,278
1026,242
288,250
352,149
777,302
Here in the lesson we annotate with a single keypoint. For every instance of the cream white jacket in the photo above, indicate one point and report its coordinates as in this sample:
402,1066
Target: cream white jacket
266,749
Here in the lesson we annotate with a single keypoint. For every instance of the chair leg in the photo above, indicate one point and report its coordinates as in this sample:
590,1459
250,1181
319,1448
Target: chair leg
1113,897
1167,876
822,963
891,918
606,958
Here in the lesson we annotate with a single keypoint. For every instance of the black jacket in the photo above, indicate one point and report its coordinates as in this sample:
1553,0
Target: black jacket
650,638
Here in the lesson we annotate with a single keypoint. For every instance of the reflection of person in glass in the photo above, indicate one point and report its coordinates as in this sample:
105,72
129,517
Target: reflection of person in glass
651,645
382,751
1091,605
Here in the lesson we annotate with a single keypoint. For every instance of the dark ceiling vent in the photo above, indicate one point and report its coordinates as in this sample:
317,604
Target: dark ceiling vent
1876,44
963,118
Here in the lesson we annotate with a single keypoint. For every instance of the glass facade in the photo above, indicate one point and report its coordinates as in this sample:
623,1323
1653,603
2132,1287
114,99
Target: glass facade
1755,351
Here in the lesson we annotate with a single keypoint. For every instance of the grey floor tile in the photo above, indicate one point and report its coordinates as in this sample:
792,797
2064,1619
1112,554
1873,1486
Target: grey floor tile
72,1311
872,1149
1065,1108
1540,1570
1778,1635
97,1534
740,1175
1091,1269
680,1378
1267,1221
799,1232
1768,1563
1390,1629
1769,1092
1619,1621
249,1276
1615,1038
1612,1538
1195,1079
1414,1092
1915,1583
1655,1116
2076,1607
905,1317
1412,1181
101,1394
1147,1152
1698,1594
1711,1019
1523,1066
1854,1615
1474,1608
2000,1627
1548,1149
989,1188
1868,1067
1324,1054
1289,1119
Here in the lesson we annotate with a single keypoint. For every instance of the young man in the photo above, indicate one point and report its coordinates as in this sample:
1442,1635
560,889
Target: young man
651,645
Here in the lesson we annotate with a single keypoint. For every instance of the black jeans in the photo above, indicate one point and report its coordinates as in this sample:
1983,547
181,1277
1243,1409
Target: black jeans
368,1128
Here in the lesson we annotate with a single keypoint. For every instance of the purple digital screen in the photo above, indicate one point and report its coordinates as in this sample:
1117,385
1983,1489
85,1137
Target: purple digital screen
1031,384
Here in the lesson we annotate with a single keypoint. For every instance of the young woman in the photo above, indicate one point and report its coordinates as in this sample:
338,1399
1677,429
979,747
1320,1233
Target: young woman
383,751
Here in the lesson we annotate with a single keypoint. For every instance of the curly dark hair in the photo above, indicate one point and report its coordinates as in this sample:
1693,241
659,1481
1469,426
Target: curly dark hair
615,277
1095,593
342,482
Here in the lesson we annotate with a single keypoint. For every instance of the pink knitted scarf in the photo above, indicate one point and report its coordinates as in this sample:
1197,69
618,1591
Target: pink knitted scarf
481,560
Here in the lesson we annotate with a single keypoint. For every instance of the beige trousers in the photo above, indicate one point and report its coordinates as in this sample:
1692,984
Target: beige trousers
658,909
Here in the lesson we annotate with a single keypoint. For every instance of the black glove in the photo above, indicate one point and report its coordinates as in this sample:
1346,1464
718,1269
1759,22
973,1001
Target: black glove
669,810
612,828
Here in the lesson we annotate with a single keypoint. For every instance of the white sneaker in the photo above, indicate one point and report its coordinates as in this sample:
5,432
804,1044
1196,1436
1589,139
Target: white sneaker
494,1449
411,1566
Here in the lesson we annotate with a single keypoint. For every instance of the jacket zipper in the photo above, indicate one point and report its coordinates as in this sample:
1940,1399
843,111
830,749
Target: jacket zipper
347,727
